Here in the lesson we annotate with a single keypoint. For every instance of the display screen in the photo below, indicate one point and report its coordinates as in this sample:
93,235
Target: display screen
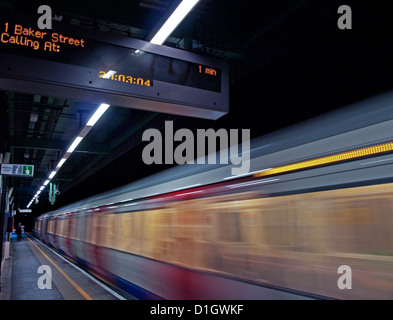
112,62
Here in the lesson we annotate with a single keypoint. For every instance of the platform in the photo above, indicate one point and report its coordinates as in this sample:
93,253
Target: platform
20,277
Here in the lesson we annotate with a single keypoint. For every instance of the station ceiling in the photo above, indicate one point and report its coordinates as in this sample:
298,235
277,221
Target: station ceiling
288,62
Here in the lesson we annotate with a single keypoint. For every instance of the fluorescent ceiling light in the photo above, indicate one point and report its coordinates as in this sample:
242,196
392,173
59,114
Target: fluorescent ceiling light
99,112
53,173
173,21
97,115
74,144
61,163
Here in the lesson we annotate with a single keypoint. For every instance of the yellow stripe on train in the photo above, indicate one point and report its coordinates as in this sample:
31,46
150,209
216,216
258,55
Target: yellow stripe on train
328,159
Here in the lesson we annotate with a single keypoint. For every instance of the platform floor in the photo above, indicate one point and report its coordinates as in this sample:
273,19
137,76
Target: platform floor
20,279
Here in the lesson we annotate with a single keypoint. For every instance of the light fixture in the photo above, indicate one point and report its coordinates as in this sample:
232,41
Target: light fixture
53,173
74,144
97,115
94,118
173,21
61,162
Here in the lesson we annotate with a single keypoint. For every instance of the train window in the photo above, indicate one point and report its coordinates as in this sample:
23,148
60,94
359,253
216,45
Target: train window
137,230
130,232
162,223
354,223
62,229
140,225
67,227
194,220
147,235
249,211
72,227
115,230
126,231
110,230
228,227
78,227
59,227
87,231
91,226
275,222
383,224
104,225
95,229
51,226
162,232
67,230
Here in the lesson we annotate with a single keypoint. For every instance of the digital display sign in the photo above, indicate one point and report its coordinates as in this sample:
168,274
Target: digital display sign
28,37
123,70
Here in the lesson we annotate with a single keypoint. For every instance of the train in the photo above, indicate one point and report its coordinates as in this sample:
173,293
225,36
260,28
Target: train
318,198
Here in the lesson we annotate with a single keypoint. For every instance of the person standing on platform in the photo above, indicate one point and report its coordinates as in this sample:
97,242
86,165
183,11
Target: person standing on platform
19,231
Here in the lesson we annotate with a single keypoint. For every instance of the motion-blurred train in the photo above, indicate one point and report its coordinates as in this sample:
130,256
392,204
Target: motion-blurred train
319,196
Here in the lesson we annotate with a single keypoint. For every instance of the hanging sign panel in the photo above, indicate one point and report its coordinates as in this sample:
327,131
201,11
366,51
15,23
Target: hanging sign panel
22,170
82,64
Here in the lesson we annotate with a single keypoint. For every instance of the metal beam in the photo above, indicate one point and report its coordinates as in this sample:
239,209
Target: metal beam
56,144
43,176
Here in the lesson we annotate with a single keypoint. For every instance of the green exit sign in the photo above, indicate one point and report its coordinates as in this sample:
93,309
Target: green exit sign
28,170
22,170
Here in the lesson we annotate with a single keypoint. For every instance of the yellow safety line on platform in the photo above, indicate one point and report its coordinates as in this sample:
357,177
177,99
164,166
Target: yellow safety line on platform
80,290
